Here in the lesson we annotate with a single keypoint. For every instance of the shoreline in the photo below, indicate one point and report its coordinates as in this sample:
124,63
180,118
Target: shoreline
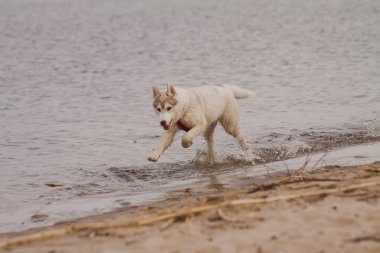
330,209
231,172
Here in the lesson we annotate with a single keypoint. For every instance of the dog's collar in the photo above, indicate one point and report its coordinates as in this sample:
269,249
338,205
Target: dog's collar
182,126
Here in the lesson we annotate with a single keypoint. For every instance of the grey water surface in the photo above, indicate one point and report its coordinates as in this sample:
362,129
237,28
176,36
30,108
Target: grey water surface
76,120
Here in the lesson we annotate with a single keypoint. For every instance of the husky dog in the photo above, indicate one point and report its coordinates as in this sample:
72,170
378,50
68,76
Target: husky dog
197,111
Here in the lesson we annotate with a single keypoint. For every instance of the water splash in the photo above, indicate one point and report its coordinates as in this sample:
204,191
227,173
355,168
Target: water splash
223,160
281,152
372,127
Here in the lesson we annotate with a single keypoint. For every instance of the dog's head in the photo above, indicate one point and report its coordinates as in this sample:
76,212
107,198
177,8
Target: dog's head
164,105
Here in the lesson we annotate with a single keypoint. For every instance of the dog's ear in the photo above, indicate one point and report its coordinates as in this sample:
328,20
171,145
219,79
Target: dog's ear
156,92
171,90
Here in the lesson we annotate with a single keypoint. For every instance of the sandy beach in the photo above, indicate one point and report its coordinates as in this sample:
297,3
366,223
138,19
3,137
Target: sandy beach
331,209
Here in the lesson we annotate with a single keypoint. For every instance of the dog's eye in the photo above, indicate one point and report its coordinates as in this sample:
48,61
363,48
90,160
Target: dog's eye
169,108
158,109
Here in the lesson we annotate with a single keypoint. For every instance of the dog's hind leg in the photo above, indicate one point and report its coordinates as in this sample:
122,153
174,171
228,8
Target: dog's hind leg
236,132
239,136
230,120
210,141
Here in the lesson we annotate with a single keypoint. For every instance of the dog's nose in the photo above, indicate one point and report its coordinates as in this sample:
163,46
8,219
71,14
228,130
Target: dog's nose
163,122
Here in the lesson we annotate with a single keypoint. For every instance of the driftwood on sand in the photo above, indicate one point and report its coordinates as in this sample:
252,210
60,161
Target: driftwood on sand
169,217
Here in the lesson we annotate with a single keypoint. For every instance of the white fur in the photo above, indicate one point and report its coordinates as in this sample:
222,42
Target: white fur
200,109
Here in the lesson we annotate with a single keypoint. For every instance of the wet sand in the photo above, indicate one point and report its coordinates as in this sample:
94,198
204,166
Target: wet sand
331,209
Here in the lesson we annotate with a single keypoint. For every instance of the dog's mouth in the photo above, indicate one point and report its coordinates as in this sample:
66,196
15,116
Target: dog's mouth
167,126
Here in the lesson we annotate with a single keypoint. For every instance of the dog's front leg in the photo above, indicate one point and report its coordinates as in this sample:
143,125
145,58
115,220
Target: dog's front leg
166,141
187,139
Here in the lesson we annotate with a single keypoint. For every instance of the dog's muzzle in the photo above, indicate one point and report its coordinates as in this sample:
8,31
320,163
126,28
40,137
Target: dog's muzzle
164,125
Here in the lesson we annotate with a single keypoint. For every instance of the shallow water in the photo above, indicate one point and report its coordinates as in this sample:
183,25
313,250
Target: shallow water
75,93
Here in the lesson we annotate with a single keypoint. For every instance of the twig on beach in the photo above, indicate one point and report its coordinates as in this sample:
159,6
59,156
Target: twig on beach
373,238
167,224
301,172
304,165
319,160
37,214
287,169
178,214
310,179
293,177
225,217
301,195
288,180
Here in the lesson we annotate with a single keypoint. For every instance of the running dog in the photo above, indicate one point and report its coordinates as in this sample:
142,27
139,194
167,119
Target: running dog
197,111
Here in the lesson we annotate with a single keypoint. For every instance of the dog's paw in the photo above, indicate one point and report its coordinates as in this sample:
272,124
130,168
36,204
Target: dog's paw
245,147
211,158
153,158
186,143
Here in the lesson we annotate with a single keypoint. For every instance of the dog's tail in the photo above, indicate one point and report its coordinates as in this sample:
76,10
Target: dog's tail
239,93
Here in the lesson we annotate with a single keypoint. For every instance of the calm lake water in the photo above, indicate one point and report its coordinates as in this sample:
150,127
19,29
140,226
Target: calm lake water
75,93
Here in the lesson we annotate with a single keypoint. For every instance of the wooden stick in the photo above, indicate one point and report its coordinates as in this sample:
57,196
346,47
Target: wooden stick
301,195
21,240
